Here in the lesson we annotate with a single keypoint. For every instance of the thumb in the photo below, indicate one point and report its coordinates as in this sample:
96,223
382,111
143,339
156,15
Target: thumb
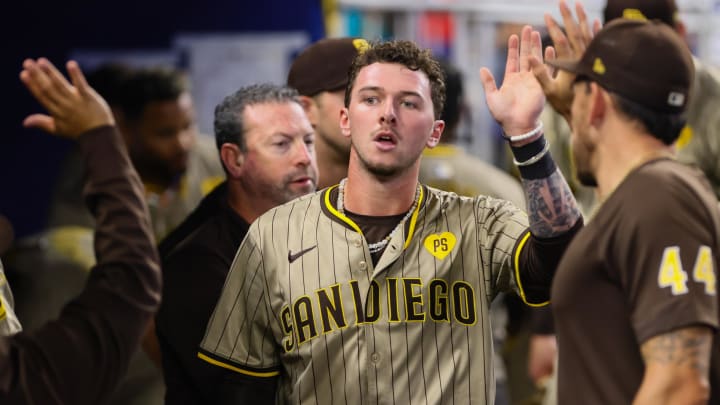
488,81
40,121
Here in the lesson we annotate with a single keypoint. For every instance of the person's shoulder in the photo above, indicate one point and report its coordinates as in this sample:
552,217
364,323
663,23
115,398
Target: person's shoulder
447,200
208,238
664,187
707,83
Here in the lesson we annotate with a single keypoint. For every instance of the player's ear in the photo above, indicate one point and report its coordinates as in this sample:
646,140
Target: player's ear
437,130
232,158
345,122
681,29
600,100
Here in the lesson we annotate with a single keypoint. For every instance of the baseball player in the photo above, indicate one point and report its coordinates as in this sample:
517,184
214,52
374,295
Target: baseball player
698,144
639,281
377,290
699,141
319,73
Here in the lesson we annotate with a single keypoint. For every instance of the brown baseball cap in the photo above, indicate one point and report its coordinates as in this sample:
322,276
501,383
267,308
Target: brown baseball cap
644,61
324,65
663,10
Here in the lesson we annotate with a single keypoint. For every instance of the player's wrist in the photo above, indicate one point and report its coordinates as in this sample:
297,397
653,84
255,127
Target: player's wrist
525,136
533,159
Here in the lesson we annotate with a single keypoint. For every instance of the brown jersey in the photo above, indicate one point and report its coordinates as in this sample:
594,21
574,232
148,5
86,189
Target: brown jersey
644,266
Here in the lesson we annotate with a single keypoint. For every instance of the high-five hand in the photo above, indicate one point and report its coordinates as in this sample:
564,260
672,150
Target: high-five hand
517,104
558,87
74,108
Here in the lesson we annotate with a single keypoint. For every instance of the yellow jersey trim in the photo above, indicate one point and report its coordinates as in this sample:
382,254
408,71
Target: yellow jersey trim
353,225
413,219
516,261
237,369
337,213
442,151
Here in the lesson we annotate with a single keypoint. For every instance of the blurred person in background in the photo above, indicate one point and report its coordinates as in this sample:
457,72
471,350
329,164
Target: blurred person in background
266,144
320,75
80,356
156,118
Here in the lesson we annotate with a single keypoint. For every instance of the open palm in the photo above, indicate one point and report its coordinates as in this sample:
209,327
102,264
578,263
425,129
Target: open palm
517,104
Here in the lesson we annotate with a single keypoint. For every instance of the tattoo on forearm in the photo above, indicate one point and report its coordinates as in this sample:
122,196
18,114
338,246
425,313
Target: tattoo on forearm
684,347
551,205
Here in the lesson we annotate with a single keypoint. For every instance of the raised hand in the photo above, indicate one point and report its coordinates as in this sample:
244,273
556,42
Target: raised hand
74,108
517,104
557,86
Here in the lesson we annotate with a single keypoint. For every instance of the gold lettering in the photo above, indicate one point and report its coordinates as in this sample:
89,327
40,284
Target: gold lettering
303,314
413,301
286,322
392,294
464,303
372,311
331,307
439,307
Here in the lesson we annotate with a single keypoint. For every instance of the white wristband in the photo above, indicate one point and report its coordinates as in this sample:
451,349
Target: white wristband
527,135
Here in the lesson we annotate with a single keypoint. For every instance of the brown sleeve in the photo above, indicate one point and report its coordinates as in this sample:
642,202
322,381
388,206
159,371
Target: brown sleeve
667,258
539,260
541,321
79,358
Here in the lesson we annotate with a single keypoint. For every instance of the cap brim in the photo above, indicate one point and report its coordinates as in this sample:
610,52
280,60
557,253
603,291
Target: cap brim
572,66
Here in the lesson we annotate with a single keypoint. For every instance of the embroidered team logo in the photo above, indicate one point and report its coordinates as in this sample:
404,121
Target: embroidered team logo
599,66
361,45
440,245
634,14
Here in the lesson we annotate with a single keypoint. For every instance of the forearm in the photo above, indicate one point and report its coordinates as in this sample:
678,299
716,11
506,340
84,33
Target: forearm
552,209
115,196
671,393
676,368
80,357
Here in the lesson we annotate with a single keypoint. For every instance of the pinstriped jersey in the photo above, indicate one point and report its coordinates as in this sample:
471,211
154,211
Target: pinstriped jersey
9,323
304,301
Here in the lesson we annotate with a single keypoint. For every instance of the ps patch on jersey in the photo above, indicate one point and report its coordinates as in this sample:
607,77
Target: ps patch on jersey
440,244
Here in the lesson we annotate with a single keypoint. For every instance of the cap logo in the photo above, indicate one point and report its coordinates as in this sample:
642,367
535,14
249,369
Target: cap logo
360,45
598,66
676,99
634,14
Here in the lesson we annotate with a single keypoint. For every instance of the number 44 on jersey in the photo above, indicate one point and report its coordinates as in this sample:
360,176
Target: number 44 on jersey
672,274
